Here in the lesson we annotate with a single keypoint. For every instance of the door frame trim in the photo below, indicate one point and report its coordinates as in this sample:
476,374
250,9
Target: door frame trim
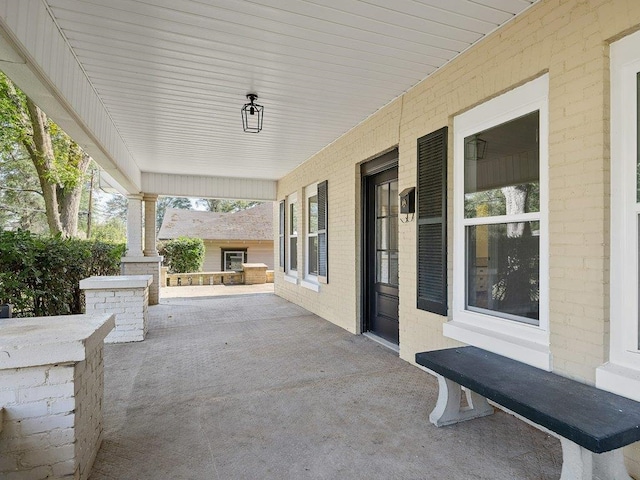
384,162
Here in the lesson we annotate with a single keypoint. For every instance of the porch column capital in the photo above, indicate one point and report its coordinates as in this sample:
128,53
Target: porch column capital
134,225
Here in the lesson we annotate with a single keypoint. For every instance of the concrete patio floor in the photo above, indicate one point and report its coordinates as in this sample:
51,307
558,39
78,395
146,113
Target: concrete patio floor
252,386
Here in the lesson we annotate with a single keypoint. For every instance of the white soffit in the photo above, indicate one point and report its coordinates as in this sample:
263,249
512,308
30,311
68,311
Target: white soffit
173,74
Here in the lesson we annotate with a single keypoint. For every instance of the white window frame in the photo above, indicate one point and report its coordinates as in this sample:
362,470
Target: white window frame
517,340
310,280
291,274
621,374
224,257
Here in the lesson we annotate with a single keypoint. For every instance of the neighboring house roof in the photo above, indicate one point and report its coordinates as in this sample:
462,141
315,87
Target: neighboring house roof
254,223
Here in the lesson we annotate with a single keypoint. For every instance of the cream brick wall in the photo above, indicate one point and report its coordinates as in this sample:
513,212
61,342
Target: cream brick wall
53,418
569,40
130,267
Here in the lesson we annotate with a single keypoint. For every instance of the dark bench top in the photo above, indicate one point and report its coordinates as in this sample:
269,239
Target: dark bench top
594,419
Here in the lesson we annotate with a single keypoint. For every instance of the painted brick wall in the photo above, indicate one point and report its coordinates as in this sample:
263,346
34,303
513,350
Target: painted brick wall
130,307
570,40
89,391
53,419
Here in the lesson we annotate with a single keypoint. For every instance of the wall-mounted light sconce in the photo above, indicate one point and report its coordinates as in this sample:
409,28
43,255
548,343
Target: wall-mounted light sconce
252,114
408,203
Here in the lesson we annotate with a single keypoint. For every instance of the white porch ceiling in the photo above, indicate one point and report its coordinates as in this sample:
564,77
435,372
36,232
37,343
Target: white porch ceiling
173,74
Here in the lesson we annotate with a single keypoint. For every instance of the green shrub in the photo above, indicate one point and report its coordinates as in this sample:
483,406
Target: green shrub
40,276
183,255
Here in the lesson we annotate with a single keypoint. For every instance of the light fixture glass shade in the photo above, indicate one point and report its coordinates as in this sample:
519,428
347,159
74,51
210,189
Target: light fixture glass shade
475,148
252,115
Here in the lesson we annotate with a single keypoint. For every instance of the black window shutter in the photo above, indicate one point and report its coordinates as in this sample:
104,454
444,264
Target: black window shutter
323,221
432,222
281,233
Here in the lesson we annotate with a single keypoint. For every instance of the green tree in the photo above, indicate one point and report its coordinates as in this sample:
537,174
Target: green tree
224,206
113,230
21,200
60,163
183,254
116,207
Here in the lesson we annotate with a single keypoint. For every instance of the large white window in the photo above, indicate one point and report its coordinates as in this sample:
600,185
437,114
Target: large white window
622,374
500,281
311,237
292,238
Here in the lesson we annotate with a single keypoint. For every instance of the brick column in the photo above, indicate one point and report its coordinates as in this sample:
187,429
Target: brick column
52,388
254,273
144,266
137,261
150,249
126,297
134,226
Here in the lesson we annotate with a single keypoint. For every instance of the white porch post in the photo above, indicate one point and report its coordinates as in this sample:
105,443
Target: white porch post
137,261
150,249
134,226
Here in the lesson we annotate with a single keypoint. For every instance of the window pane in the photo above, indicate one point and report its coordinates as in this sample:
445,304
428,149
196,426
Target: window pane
382,267
393,233
293,220
393,268
393,198
293,253
233,261
382,200
313,214
313,255
382,233
509,200
503,273
502,168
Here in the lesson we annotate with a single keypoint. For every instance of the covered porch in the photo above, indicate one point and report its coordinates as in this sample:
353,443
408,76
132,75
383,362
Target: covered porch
252,386
363,101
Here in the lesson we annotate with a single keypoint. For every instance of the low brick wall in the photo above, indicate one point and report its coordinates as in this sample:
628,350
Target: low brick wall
51,391
204,278
251,275
125,296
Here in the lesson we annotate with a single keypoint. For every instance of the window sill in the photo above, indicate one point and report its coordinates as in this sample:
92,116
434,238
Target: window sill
310,285
619,379
290,279
518,347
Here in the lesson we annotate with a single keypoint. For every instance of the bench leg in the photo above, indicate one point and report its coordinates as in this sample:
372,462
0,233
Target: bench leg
448,410
578,463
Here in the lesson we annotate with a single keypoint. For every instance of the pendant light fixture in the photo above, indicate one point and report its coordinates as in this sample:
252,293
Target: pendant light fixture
252,114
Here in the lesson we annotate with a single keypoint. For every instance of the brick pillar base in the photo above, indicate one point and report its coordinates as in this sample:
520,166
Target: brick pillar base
254,273
144,266
126,297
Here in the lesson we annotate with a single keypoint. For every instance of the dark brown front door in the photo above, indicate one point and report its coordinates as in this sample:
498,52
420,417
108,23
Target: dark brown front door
381,254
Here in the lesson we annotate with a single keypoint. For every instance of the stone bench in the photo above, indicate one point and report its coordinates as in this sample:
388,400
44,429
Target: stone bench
593,425
125,296
51,395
